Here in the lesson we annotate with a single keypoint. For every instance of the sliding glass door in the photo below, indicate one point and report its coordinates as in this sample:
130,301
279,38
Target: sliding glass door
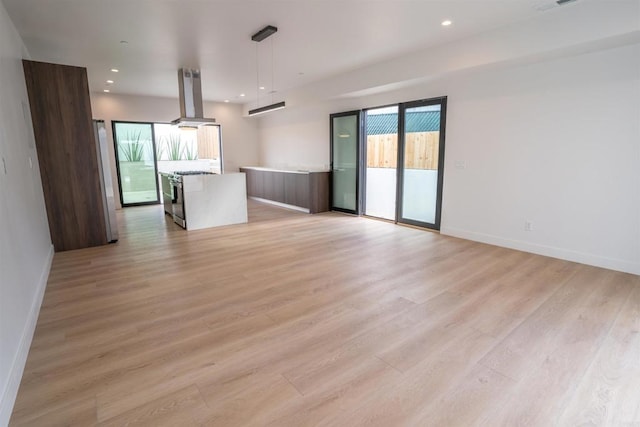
421,158
402,166
345,153
136,163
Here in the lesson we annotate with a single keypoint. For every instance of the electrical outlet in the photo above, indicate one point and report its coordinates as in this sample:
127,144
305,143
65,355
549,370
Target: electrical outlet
528,226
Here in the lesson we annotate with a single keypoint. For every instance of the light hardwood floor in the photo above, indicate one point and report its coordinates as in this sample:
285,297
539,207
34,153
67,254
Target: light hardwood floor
300,320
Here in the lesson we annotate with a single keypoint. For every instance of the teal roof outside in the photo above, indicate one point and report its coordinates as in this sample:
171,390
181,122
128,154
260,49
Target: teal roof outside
419,121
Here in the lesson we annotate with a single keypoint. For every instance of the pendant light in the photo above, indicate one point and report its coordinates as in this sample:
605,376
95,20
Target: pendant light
258,37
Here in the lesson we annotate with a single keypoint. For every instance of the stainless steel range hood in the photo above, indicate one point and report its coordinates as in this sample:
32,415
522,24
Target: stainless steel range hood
191,111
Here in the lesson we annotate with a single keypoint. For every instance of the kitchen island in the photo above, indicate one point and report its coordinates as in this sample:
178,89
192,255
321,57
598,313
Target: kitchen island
304,190
206,200
215,200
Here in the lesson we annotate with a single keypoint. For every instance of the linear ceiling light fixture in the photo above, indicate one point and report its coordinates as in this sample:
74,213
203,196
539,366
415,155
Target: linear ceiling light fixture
267,108
264,33
261,35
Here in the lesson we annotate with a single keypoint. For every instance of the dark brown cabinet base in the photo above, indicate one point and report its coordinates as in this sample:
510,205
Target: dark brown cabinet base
308,190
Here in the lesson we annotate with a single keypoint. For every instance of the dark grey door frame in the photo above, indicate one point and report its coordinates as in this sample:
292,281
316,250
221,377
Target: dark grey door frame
442,101
358,114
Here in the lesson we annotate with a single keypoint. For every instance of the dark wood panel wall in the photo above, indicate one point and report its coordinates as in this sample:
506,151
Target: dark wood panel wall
305,190
65,141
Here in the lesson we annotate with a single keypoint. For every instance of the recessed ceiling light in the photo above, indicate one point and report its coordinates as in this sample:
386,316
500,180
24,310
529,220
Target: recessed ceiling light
242,94
115,70
261,87
109,82
106,91
446,23
226,100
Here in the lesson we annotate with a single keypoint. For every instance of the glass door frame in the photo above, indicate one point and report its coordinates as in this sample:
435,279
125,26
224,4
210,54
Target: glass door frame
403,107
359,202
155,162
363,161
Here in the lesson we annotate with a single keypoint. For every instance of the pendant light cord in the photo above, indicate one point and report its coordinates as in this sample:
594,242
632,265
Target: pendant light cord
257,78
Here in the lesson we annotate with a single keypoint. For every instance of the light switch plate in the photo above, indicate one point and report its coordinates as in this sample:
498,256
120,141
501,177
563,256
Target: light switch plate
460,164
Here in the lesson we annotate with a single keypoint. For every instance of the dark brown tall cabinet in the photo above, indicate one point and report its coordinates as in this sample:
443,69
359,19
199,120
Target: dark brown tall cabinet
65,141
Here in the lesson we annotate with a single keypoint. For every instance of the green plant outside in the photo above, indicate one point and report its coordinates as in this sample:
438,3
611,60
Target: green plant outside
189,154
173,146
133,149
175,149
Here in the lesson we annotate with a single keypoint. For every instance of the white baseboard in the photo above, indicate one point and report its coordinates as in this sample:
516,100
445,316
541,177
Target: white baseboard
282,205
554,252
8,398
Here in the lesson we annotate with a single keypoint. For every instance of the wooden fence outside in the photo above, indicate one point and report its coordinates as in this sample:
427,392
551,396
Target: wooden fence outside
421,151
208,145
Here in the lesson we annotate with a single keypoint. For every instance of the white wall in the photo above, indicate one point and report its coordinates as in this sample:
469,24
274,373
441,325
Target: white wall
25,244
297,139
239,134
550,138
555,143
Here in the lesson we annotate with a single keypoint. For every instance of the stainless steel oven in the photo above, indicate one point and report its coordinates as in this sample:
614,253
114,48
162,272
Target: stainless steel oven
176,195
177,202
168,193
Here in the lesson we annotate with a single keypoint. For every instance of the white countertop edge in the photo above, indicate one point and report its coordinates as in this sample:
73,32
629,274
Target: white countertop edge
267,169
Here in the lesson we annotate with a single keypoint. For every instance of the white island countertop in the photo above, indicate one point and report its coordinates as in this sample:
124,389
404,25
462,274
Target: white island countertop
285,170
214,200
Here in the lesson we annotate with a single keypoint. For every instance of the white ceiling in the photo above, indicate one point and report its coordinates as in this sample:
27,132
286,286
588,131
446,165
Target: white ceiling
316,38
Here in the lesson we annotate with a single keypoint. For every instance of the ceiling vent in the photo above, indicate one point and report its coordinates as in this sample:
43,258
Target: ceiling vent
191,109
